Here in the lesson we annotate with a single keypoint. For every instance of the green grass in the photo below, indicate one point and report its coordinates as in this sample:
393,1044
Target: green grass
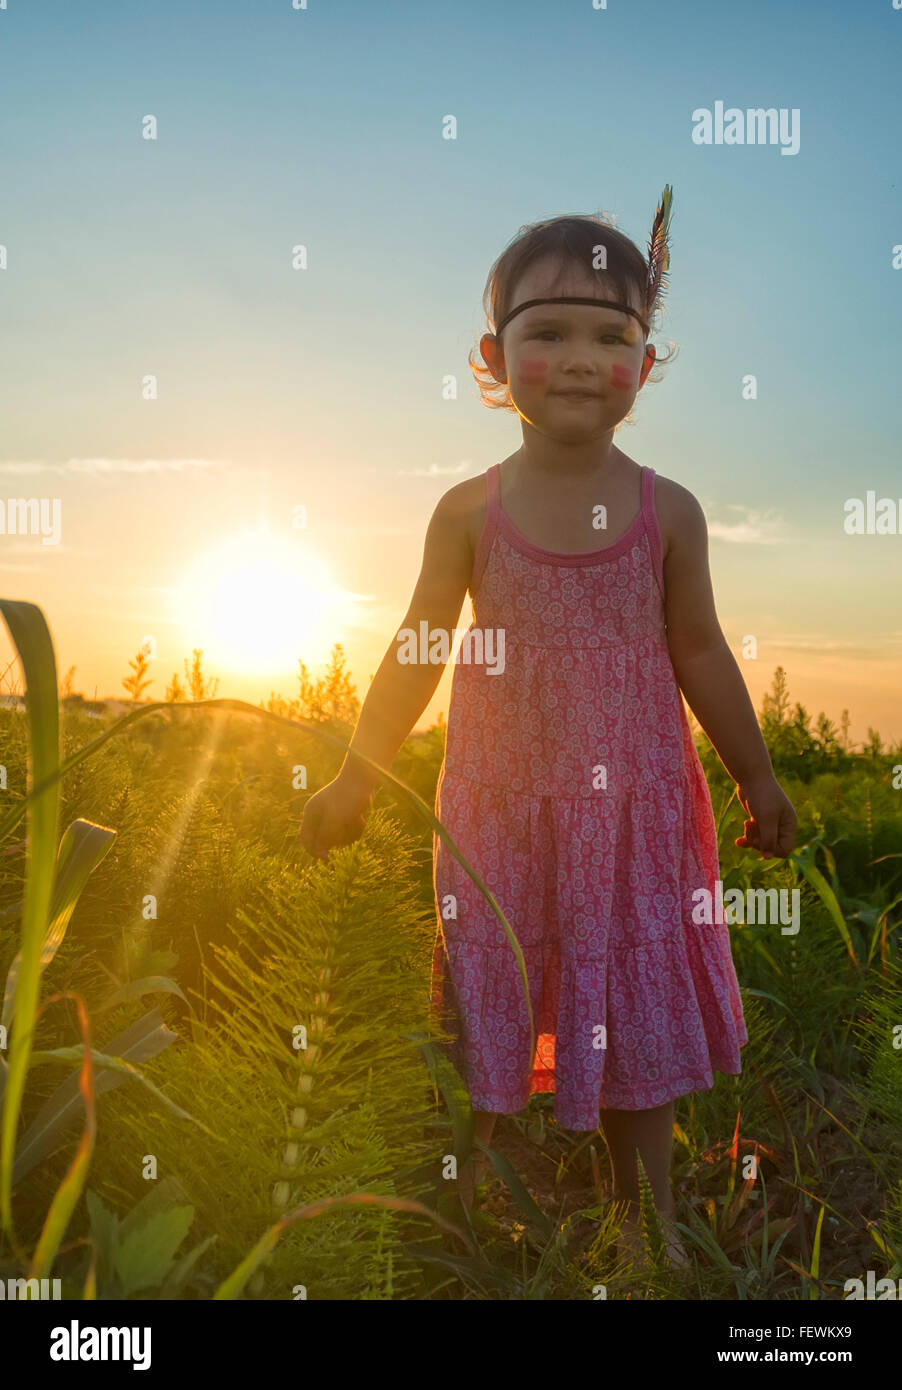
179,930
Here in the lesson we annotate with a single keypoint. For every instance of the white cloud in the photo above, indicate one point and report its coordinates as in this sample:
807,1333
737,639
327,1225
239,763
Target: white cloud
753,528
98,466
433,471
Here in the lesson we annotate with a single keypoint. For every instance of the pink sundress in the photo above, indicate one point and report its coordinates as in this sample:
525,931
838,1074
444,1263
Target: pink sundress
572,785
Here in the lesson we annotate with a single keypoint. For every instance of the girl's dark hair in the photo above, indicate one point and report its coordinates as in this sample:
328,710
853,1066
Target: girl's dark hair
569,239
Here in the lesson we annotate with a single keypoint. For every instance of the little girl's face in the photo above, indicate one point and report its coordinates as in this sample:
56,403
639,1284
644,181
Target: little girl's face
551,352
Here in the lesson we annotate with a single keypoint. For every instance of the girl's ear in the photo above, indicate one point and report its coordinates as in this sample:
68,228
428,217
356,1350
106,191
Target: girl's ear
493,356
648,363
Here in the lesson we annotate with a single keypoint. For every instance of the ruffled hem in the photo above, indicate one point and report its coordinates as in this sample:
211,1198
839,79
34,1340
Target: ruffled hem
634,1004
479,999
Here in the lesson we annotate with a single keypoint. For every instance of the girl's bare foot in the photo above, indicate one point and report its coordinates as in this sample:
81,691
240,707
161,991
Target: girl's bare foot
631,1241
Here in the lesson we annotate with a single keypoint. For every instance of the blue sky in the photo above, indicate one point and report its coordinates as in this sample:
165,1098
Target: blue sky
321,387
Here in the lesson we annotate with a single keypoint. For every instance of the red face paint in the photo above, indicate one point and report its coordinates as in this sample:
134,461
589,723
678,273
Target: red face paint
622,378
533,371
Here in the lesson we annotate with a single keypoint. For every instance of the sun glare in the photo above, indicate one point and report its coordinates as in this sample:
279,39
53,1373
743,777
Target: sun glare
257,604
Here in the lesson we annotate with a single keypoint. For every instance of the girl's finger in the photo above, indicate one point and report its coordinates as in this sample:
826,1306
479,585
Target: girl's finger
767,840
787,837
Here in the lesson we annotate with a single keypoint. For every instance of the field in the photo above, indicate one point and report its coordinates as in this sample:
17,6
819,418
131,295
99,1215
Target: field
221,1078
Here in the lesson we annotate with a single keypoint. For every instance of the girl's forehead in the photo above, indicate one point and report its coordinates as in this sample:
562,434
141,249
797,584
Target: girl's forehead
552,277
545,284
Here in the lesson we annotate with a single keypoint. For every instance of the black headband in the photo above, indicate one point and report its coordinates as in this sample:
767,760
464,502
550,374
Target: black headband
572,299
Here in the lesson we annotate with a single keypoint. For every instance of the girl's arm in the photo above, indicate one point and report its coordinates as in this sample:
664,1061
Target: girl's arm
400,692
709,677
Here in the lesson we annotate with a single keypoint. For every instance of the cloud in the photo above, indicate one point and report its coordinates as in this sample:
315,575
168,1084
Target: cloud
433,471
98,466
754,528
101,466
347,528
884,648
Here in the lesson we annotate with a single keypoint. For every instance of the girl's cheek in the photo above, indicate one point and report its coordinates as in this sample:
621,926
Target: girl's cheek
623,378
532,371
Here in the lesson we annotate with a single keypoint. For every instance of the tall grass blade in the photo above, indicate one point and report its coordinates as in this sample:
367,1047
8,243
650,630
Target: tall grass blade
70,1189
137,1043
75,1054
524,1201
456,1096
804,862
81,850
31,638
816,1256
136,989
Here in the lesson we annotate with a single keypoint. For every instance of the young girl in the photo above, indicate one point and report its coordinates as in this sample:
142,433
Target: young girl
571,782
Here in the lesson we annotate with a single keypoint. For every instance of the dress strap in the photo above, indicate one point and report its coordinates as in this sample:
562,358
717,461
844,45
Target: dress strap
651,525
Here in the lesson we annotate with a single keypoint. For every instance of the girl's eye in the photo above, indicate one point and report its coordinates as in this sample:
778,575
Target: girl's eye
605,337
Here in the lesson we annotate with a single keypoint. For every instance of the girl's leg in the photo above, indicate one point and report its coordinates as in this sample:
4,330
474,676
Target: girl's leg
472,1171
651,1132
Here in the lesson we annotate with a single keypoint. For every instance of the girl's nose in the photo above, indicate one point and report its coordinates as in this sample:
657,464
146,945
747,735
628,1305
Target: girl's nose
578,359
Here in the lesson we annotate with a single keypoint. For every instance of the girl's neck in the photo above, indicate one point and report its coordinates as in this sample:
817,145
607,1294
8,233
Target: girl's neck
539,457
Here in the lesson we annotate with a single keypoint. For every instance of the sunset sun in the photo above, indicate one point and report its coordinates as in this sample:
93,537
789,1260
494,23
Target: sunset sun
258,604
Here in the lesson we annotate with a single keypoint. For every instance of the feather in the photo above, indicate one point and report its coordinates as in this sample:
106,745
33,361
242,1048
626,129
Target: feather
659,250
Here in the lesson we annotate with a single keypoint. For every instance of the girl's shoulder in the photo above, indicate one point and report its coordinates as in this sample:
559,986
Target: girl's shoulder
680,515
678,510
463,510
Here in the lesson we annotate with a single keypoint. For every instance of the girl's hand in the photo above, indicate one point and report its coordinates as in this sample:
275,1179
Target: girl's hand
772,824
334,816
